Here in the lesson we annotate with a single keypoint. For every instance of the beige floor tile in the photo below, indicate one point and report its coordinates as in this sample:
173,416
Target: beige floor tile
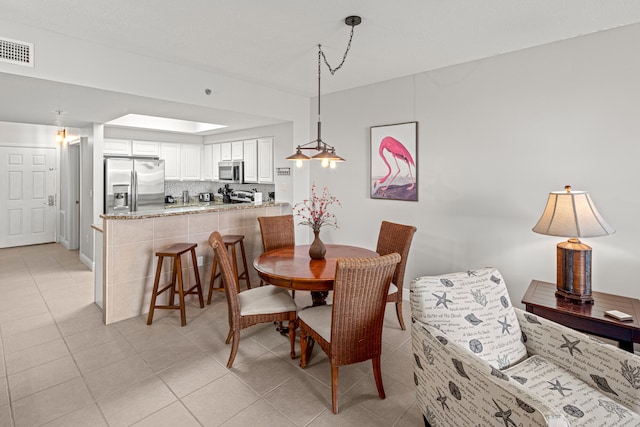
28,308
153,335
51,403
41,377
267,415
264,373
220,400
412,417
34,356
171,416
103,355
399,366
26,324
32,338
88,416
398,397
92,338
302,398
192,374
167,354
347,416
82,323
117,376
137,402
4,392
5,416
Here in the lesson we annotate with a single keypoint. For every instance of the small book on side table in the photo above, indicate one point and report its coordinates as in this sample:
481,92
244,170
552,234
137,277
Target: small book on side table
619,315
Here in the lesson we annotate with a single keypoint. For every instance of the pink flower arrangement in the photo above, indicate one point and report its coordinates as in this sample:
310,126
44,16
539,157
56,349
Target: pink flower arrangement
314,212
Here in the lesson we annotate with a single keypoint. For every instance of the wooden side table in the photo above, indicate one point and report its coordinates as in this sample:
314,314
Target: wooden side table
540,300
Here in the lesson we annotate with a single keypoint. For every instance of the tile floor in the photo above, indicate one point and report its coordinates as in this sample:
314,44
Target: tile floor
60,366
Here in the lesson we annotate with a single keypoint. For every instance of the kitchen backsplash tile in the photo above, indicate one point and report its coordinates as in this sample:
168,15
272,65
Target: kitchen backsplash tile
175,188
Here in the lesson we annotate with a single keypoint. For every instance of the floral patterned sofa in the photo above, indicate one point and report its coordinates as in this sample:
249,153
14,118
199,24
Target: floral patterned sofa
479,361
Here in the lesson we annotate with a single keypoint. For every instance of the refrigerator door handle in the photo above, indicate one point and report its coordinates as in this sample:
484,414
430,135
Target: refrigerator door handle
134,190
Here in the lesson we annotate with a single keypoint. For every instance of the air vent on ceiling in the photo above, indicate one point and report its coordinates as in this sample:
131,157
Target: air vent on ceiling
16,52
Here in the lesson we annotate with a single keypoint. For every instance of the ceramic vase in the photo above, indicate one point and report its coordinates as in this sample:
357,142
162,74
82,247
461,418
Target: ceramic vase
317,248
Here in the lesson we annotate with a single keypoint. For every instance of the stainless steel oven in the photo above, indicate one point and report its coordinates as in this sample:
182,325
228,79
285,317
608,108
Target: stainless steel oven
231,172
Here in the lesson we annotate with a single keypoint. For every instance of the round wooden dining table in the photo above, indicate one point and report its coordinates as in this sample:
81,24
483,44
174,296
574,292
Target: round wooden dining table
292,268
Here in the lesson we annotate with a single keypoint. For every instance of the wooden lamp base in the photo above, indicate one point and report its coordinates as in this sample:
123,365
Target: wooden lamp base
574,271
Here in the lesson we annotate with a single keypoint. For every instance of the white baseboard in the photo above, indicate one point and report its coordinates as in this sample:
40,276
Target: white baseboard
89,263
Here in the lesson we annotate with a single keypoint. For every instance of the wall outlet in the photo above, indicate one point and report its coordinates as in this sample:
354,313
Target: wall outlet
200,261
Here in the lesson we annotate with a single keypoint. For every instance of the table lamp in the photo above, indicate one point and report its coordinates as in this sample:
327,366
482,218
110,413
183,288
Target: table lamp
572,214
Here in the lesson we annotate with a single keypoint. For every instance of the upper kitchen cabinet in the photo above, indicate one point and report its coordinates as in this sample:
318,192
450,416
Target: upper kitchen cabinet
258,160
207,162
251,160
191,163
118,147
216,152
170,153
237,150
225,152
145,148
265,160
210,160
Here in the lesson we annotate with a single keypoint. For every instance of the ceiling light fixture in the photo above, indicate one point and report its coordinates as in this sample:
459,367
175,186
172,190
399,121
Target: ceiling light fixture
327,153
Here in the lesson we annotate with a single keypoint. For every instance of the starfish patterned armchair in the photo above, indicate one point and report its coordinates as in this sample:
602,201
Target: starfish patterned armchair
479,361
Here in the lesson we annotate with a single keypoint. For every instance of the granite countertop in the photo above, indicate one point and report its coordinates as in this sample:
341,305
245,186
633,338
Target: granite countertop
188,209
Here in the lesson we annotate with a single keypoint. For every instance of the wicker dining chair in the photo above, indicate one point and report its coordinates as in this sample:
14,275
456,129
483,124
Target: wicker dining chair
396,238
277,232
350,330
252,306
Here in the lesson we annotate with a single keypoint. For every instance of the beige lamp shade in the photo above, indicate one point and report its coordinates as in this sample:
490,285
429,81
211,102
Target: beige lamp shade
572,214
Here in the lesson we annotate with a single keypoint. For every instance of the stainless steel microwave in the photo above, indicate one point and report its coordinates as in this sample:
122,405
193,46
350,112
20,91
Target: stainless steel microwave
231,172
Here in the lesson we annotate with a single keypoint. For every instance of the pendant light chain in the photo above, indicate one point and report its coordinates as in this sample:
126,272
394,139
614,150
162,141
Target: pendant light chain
344,57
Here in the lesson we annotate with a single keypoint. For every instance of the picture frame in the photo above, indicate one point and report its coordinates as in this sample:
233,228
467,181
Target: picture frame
394,162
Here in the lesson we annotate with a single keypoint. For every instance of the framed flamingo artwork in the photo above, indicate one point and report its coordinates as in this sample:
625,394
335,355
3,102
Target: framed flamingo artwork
394,167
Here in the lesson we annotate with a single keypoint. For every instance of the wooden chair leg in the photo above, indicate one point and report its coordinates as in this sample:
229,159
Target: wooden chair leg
229,336
292,337
194,261
234,348
334,389
399,314
213,280
154,294
183,310
377,374
303,349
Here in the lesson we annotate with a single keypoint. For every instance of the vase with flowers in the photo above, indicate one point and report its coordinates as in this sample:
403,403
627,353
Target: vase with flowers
315,213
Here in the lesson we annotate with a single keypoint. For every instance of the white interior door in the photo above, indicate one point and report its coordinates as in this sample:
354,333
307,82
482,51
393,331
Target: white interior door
27,196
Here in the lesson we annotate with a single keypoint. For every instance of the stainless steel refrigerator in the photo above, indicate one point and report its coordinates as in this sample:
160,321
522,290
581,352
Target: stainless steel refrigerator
133,184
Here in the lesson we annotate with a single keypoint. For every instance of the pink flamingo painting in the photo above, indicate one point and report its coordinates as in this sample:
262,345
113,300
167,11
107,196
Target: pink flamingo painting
397,151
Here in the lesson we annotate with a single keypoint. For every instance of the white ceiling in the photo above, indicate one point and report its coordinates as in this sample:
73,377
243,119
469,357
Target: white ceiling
274,43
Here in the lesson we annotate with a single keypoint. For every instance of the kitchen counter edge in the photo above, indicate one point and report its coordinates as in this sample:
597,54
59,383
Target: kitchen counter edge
189,210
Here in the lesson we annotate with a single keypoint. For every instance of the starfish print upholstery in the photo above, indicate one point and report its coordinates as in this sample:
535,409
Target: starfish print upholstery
571,345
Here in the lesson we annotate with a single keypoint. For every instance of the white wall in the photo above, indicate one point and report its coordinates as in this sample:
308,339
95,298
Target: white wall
495,137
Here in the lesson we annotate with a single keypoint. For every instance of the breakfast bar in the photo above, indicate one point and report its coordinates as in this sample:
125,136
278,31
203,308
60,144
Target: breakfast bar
129,242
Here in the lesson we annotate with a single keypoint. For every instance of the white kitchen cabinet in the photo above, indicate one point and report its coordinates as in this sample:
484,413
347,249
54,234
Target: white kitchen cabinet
250,148
265,160
225,151
145,148
170,153
207,162
217,157
237,150
118,147
191,162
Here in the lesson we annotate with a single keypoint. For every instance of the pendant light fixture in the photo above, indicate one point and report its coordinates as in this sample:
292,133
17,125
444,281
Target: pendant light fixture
326,153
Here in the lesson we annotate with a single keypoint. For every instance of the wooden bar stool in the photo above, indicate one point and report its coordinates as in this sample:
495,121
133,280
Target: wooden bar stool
230,241
175,251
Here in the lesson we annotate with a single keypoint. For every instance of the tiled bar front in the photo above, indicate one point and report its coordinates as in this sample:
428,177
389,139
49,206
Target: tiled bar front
130,244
